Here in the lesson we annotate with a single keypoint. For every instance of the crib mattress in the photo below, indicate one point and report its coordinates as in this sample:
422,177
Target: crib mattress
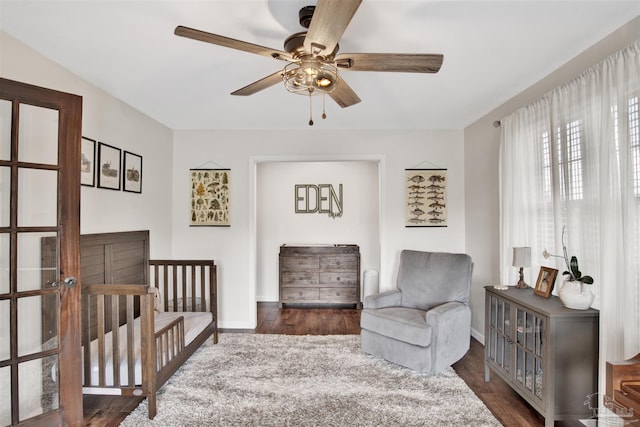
194,324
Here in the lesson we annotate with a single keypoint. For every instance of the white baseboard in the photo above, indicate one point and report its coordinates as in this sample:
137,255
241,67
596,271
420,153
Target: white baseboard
477,335
235,325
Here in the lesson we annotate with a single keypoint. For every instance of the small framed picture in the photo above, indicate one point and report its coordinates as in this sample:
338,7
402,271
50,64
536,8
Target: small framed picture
132,176
88,162
109,167
545,282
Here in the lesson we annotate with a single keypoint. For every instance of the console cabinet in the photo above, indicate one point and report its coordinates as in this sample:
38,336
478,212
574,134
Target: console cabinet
320,274
546,352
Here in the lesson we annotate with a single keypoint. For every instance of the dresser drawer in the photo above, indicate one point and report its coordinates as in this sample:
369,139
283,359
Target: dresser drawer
339,262
300,278
300,263
336,278
338,295
300,294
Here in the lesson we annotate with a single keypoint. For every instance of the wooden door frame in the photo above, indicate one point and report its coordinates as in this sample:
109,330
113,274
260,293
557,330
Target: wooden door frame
69,107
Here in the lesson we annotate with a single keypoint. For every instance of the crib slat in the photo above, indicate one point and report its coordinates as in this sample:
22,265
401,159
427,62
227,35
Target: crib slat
156,279
194,279
175,288
184,288
115,339
203,285
131,361
165,290
86,338
100,325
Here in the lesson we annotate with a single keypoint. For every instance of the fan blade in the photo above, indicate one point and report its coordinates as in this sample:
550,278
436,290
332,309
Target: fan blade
261,84
344,95
329,21
395,62
203,36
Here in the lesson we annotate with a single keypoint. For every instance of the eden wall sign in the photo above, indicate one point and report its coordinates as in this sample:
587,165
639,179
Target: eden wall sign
321,198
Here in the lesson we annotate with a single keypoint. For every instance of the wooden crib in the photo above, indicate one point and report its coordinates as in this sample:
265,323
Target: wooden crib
138,314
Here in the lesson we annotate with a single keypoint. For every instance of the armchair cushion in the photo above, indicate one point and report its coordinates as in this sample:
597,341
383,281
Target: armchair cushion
428,279
404,324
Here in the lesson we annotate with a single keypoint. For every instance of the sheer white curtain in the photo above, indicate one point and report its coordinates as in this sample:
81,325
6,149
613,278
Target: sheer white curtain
573,159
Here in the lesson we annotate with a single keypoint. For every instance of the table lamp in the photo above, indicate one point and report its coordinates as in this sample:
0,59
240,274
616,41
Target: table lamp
522,258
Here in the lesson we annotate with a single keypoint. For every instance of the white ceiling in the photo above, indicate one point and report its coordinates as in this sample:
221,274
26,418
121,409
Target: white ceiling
492,51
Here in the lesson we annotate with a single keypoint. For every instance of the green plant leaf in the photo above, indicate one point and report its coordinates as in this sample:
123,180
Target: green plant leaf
587,280
574,267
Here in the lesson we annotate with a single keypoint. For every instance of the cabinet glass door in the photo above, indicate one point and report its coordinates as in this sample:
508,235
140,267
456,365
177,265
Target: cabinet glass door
529,351
500,332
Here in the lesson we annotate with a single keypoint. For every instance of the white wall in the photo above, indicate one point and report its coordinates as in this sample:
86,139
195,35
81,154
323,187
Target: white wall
482,141
113,122
278,223
235,248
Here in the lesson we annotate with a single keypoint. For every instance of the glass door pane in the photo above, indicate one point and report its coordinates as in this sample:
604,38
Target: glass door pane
5,133
38,135
5,195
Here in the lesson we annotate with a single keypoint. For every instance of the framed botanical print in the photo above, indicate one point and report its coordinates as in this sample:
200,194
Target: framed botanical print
132,176
88,162
210,197
109,164
425,197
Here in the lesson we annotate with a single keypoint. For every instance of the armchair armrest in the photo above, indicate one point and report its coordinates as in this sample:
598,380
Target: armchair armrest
451,326
384,299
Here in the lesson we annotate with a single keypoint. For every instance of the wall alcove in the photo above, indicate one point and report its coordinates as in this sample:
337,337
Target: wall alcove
356,221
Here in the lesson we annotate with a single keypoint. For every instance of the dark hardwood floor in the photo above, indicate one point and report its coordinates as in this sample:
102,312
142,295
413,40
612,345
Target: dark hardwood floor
506,405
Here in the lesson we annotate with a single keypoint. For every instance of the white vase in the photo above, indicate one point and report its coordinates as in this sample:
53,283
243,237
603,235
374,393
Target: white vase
576,295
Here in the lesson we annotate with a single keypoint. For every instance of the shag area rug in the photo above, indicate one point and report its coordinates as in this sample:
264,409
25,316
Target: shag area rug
286,380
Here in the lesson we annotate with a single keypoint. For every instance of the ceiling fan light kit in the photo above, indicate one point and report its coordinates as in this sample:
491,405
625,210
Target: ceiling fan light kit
310,77
312,56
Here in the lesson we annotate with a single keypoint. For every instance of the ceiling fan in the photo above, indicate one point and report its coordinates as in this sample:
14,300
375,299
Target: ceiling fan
312,56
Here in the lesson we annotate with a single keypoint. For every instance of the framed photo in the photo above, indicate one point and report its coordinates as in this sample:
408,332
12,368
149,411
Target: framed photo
425,198
545,282
88,162
132,176
109,167
210,197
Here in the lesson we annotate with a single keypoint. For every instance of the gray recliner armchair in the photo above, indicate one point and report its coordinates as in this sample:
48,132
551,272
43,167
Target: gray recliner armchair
425,324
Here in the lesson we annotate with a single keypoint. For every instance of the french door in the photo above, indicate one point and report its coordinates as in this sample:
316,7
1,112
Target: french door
40,134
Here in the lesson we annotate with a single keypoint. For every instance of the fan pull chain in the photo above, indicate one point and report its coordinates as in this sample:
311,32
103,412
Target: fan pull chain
324,114
310,111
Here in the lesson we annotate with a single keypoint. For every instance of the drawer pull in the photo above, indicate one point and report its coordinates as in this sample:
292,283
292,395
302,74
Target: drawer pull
300,293
337,294
338,278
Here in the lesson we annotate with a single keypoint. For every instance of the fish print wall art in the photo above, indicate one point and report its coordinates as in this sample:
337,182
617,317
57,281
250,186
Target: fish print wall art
210,190
426,197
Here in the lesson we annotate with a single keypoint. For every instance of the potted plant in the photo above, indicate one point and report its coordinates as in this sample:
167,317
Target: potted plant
572,293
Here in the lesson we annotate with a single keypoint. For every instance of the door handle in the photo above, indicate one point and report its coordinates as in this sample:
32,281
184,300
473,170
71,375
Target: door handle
70,282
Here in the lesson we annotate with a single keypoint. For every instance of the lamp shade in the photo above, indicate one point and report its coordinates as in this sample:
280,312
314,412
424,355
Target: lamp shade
522,256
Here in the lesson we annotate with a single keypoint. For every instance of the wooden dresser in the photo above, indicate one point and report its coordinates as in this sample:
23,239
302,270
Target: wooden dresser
320,274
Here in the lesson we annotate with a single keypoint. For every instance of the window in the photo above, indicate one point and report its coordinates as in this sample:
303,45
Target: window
570,160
